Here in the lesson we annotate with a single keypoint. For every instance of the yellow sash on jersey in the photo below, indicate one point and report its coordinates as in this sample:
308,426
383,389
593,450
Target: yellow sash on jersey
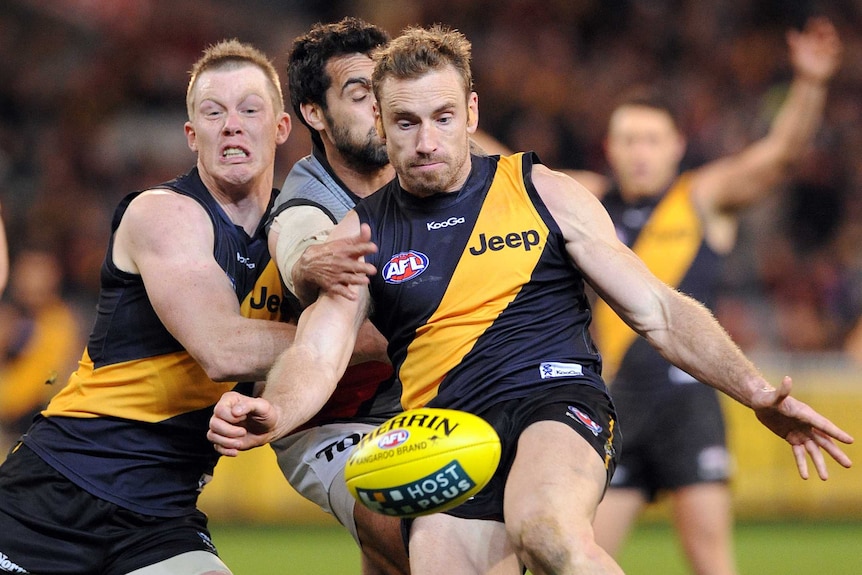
156,388
667,244
480,288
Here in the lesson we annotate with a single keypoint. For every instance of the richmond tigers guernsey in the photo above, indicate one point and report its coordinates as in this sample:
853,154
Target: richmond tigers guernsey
130,425
666,232
475,292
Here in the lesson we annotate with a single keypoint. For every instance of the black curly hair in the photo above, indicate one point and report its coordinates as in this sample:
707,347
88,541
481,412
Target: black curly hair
306,67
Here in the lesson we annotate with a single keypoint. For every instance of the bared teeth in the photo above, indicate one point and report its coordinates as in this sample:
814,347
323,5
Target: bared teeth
231,152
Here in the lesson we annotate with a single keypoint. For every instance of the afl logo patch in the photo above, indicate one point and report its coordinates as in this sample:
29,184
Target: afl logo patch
404,267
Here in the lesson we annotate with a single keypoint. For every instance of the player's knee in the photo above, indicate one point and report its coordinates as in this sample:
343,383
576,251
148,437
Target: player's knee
547,546
540,543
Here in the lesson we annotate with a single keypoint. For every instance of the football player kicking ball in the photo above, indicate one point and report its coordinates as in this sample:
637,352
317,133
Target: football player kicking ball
468,309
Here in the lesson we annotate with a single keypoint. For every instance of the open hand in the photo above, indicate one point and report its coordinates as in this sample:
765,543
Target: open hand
815,52
335,265
803,428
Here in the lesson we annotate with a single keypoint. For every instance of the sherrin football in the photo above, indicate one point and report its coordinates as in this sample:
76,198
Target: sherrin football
423,461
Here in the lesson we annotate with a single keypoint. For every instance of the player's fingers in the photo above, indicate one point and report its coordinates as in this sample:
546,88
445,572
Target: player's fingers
826,427
832,449
230,407
817,458
360,249
355,278
342,290
222,444
225,429
225,451
801,461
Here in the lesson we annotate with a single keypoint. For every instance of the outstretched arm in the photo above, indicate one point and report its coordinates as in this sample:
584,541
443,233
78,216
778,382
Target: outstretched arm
304,376
733,182
682,330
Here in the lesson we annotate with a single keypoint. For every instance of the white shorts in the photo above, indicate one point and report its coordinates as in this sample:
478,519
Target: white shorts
313,462
191,563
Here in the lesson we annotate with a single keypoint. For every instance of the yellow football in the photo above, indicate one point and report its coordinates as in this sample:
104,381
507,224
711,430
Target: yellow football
423,461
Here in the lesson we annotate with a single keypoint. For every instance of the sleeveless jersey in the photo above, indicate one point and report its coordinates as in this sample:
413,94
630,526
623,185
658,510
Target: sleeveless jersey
130,426
363,391
475,291
666,233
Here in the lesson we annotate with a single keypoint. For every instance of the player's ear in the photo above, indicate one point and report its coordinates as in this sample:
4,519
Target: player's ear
283,128
313,115
378,123
472,112
191,136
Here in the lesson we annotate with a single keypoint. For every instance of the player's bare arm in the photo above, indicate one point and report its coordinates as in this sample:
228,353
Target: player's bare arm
734,182
306,373
680,328
167,238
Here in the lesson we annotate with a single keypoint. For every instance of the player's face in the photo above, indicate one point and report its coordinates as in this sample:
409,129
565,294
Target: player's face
349,117
235,129
427,124
644,149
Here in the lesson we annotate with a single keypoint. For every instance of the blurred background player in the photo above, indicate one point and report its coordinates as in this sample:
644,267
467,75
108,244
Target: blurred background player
329,78
40,339
681,225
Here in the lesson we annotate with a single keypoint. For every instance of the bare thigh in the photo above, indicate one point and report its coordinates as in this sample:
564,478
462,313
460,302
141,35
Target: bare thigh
552,492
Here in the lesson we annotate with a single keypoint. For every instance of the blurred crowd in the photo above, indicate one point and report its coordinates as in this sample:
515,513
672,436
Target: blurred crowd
92,106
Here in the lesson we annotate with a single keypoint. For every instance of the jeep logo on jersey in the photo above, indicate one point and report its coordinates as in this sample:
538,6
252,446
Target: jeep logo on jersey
453,221
404,267
525,240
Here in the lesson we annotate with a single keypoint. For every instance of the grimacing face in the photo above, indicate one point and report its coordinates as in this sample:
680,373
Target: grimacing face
644,148
235,128
427,123
349,116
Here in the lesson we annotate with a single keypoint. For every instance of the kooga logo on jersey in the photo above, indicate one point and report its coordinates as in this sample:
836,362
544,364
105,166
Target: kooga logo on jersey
404,266
453,221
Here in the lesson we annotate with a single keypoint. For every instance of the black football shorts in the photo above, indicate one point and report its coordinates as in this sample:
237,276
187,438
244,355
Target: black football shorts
49,525
586,409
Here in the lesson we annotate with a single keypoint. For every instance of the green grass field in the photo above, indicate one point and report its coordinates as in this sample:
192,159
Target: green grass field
785,548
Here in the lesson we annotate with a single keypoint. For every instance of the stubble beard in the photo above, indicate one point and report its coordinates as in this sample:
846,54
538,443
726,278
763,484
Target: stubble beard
366,156
425,185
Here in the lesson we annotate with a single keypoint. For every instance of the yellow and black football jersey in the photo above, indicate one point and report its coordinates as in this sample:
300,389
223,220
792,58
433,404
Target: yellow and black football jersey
130,425
475,291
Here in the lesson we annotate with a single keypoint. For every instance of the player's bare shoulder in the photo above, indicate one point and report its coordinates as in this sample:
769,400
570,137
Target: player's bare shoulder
568,200
160,204
159,220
